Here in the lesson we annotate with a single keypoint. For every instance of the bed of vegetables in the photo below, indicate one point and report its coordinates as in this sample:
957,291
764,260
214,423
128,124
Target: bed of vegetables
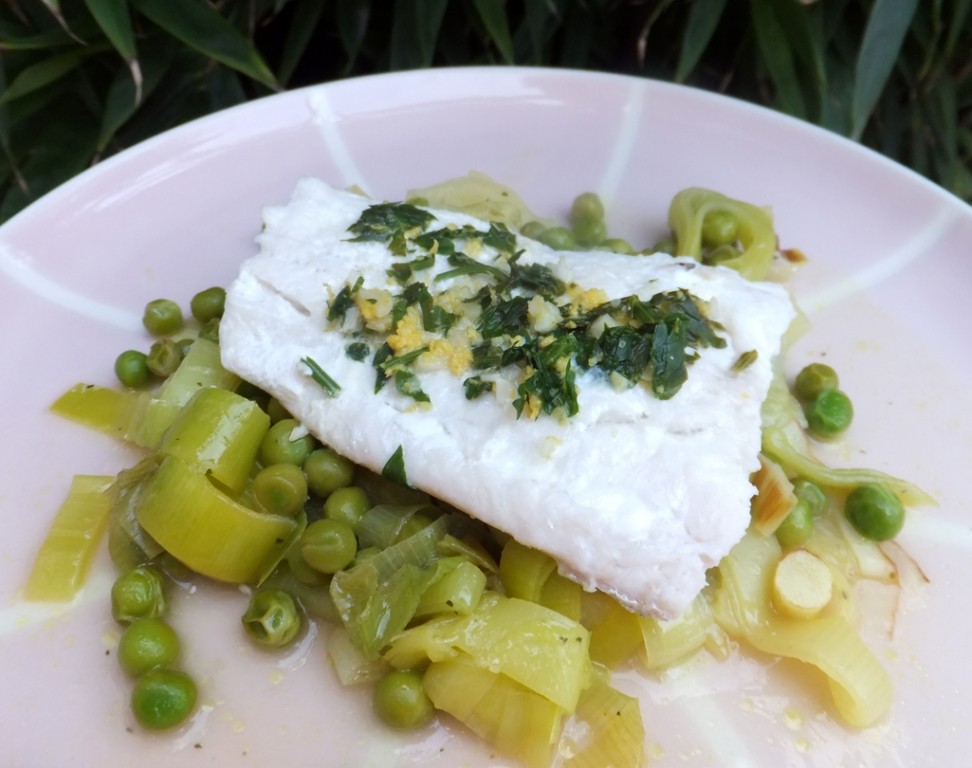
434,610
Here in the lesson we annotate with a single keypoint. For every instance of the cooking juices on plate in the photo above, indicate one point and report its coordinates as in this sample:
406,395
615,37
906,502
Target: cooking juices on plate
499,456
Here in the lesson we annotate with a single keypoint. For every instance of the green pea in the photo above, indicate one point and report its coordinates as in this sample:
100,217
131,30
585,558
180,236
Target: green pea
812,495
617,245
875,511
347,505
814,379
328,545
533,229
278,446
277,411
302,571
163,698
327,471
590,232
162,317
138,594
668,245
586,206
164,358
558,238
401,701
208,304
272,619
131,368
146,644
719,228
829,414
796,526
281,489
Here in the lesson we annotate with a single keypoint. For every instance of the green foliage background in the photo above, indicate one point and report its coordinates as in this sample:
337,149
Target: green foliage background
82,79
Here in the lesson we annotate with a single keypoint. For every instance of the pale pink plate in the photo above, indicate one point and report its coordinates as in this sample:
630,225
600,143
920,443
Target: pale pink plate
886,289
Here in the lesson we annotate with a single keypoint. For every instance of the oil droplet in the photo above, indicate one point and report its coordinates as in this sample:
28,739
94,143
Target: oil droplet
793,719
802,745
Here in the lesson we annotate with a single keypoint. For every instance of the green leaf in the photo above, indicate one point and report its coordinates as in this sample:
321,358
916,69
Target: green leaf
415,30
884,35
321,377
307,15
493,15
113,18
778,59
200,26
13,38
352,19
61,149
703,19
45,72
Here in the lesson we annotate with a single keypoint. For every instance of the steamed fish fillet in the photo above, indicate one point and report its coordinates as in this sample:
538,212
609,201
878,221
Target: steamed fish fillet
634,495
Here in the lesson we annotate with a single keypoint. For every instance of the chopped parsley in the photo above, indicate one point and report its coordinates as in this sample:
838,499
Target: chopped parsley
521,316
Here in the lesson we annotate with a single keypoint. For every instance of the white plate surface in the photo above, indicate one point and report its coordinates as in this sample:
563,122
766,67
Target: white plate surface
886,289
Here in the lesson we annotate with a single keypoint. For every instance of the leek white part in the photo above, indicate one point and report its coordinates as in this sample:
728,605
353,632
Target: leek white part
634,495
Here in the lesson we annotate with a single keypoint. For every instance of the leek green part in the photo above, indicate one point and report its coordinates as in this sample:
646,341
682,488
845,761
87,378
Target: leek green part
860,686
376,598
208,531
515,720
686,217
539,648
218,432
64,557
785,441
456,588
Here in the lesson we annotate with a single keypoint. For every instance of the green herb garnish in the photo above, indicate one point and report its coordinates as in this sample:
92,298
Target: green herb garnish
381,222
318,374
394,468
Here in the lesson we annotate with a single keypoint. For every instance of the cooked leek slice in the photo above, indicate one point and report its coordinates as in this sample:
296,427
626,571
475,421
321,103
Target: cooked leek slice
523,571
218,432
64,557
615,631
456,588
774,498
667,642
785,441
478,195
350,664
756,235
613,732
514,719
377,597
537,647
860,686
129,545
107,410
206,530
563,595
